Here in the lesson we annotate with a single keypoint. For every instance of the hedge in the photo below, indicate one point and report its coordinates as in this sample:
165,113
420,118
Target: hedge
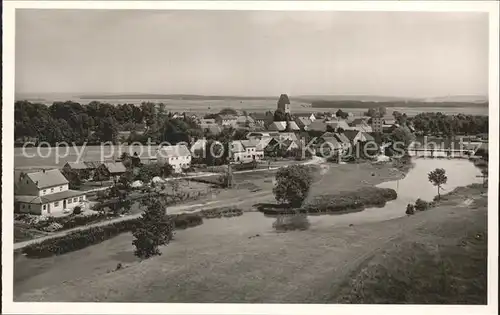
352,200
365,197
95,235
221,212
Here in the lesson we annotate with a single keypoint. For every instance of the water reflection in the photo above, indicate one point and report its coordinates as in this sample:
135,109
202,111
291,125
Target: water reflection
415,185
291,222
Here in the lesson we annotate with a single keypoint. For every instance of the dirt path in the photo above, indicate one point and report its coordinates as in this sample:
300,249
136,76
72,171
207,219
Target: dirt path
231,264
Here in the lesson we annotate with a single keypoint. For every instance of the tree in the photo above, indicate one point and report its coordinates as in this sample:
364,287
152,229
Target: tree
73,178
293,184
153,229
126,179
279,115
438,178
341,114
228,111
148,171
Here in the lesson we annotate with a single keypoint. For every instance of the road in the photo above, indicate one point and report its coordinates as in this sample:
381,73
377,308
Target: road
179,209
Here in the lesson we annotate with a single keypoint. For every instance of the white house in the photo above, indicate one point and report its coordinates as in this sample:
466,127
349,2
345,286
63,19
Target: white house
46,193
246,150
227,120
178,156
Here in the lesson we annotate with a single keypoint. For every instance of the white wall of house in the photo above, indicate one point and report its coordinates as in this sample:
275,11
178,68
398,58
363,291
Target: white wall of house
178,163
248,155
53,190
28,187
56,207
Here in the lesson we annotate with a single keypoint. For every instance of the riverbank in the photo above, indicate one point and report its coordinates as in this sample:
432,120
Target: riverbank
443,261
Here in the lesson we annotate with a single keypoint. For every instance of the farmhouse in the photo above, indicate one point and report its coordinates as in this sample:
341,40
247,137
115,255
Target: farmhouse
84,170
110,170
177,156
46,193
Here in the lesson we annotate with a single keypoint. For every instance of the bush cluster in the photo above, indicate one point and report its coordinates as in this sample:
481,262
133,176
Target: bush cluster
368,196
95,235
225,212
70,221
420,205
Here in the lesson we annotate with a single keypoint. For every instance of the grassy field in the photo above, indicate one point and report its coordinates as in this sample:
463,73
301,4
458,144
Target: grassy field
439,262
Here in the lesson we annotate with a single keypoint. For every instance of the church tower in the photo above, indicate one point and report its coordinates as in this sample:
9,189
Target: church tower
284,103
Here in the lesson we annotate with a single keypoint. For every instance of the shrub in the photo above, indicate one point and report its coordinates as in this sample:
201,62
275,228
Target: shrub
221,212
77,210
410,209
293,184
291,222
364,197
421,205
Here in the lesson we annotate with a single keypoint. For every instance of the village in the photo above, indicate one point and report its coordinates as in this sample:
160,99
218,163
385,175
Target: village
264,139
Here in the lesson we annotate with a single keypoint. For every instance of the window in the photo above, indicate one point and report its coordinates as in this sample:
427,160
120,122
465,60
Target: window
75,199
44,207
70,200
29,207
24,206
60,188
81,198
45,191
56,204
52,190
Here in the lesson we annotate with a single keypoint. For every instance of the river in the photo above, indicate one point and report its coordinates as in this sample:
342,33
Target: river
415,185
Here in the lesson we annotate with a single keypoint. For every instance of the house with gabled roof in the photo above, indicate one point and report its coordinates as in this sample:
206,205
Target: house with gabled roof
246,151
177,156
46,193
356,136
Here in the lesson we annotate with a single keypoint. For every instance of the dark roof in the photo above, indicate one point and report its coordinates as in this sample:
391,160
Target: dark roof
115,167
261,116
77,165
317,125
351,134
92,164
342,138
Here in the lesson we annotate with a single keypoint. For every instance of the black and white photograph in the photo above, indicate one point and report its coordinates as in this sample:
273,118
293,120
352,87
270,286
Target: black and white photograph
249,155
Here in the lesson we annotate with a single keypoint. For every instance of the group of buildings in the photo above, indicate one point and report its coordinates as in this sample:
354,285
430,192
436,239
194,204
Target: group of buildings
47,192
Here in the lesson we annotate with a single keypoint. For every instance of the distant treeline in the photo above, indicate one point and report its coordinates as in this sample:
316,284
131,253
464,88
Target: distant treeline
360,104
185,97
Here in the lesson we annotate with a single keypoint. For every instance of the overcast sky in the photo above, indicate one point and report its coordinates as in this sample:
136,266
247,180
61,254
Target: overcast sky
252,53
